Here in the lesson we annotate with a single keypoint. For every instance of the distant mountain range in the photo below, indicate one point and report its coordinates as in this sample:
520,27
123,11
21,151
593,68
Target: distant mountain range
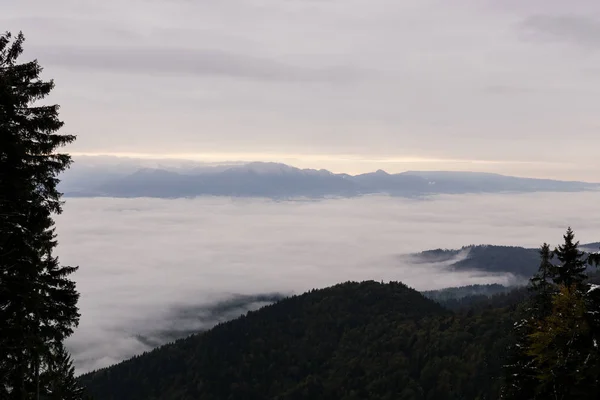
275,180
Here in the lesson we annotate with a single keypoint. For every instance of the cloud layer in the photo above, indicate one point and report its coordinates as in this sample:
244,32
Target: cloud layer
188,62
143,261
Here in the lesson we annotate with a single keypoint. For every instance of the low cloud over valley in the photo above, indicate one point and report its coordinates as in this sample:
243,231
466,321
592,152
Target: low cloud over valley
145,263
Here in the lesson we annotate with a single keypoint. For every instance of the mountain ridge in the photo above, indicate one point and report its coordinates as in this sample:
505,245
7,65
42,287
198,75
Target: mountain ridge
277,180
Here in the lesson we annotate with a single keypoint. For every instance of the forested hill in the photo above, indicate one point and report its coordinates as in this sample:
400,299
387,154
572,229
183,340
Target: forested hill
520,261
516,260
351,341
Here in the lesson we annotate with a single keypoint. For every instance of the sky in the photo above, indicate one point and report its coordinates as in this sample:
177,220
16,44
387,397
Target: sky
506,86
142,261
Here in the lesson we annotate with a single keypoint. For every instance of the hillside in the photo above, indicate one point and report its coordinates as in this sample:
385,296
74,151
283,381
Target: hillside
350,341
515,260
455,293
518,261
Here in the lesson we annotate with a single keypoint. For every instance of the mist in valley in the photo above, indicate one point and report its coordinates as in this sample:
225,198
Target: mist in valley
152,270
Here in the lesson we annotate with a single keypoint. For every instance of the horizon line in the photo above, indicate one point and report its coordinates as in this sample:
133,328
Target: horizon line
274,157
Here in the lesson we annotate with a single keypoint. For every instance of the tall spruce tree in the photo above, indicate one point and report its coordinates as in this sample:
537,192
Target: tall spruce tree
38,303
60,381
542,284
571,270
521,369
557,354
562,347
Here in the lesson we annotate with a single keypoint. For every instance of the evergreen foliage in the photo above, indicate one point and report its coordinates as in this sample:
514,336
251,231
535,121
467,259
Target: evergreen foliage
541,283
556,355
351,341
61,383
38,303
571,270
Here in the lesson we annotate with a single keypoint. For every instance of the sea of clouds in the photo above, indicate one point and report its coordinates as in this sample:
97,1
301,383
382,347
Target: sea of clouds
153,265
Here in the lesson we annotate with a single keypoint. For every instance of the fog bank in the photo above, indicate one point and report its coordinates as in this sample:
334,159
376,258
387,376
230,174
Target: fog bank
142,261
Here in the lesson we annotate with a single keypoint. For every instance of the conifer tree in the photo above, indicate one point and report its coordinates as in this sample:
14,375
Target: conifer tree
541,284
521,370
563,350
571,271
59,380
557,354
38,302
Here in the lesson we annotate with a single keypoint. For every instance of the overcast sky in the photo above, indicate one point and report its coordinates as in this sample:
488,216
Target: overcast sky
509,86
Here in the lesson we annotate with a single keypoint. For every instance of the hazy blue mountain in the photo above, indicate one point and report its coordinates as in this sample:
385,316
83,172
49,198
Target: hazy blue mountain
394,184
86,175
282,181
253,180
466,182
590,247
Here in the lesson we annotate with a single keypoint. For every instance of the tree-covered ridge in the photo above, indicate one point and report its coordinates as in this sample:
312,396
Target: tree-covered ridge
519,261
351,341
455,293
191,319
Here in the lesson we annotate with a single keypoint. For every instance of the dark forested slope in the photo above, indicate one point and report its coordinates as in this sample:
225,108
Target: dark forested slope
351,341
519,261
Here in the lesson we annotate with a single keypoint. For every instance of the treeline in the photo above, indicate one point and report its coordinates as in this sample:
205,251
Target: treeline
453,293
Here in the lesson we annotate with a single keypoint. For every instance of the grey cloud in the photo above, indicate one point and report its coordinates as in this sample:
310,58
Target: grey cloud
508,90
57,26
578,29
199,62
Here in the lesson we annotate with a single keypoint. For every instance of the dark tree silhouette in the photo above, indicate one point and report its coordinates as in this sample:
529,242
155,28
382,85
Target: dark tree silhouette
571,271
556,355
542,284
60,382
38,303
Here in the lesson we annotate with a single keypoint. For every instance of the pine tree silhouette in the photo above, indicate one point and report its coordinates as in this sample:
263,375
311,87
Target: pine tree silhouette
38,303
